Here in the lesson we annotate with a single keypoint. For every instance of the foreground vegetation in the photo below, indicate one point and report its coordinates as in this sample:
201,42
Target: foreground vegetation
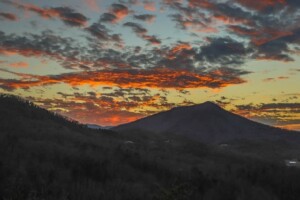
45,156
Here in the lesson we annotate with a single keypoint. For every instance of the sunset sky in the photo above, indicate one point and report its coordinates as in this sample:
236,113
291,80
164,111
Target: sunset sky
109,62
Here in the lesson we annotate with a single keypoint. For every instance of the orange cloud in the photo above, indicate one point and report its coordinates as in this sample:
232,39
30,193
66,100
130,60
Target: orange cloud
19,64
150,6
106,118
177,49
202,4
108,108
260,5
7,52
206,30
89,110
120,11
92,4
230,20
180,47
27,52
158,78
121,15
113,119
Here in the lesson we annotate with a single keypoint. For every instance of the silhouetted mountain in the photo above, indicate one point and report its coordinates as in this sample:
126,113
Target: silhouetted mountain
206,122
94,126
97,127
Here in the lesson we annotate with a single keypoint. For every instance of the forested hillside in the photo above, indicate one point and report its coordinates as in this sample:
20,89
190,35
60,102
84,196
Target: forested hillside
45,156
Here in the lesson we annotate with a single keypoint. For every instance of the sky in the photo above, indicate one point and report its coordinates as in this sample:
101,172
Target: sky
109,62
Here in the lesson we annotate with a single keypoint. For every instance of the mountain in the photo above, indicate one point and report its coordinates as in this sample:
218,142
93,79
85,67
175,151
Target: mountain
207,123
94,126
97,127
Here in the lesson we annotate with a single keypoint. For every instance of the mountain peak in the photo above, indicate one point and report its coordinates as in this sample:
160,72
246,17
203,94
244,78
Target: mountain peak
206,122
208,105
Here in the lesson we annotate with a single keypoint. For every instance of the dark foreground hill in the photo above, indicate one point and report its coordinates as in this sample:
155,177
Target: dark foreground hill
208,123
43,156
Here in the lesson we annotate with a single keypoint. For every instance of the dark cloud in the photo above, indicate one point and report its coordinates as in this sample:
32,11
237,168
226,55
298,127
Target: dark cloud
290,106
33,45
293,3
102,33
93,94
66,51
46,44
262,5
108,17
223,51
257,23
129,2
8,16
142,33
68,15
127,92
278,49
64,95
145,17
194,24
137,28
180,56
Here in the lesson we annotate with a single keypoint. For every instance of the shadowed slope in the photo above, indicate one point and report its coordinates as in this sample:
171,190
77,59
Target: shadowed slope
206,122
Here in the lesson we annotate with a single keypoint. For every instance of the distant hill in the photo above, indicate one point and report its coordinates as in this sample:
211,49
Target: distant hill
208,123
